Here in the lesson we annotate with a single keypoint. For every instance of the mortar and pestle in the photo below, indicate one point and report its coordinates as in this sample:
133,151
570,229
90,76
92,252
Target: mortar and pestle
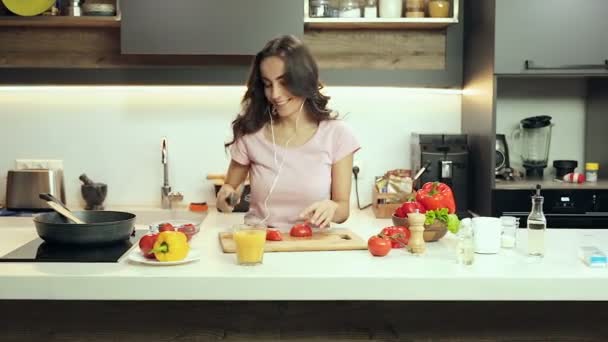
93,193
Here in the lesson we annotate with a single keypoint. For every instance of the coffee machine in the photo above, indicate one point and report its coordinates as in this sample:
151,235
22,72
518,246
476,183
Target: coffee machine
447,159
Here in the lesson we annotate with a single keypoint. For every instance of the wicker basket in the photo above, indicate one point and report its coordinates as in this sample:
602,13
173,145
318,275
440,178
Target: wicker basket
381,209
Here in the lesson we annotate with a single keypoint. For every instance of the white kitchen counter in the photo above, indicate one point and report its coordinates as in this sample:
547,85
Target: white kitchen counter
345,275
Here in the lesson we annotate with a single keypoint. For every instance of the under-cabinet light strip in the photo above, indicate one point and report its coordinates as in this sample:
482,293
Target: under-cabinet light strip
195,88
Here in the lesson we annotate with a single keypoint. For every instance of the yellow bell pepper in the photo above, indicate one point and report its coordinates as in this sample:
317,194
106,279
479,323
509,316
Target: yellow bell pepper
171,246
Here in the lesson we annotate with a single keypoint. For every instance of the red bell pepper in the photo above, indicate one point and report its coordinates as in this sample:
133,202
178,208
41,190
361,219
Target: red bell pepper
436,195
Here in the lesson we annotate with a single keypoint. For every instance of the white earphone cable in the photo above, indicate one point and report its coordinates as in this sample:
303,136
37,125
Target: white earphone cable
280,167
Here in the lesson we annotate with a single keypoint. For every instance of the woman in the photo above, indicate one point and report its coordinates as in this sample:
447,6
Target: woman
299,157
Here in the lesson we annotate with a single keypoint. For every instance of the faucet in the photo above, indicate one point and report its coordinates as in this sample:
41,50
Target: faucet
166,195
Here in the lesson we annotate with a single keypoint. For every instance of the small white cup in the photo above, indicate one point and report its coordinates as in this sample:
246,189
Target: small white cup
486,234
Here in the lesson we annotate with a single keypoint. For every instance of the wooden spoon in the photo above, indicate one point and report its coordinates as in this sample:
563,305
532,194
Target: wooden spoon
54,203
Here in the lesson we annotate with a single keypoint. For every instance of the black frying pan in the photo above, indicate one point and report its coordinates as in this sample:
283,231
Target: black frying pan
100,227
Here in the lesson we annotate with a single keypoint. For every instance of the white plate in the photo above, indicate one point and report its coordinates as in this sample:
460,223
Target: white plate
137,256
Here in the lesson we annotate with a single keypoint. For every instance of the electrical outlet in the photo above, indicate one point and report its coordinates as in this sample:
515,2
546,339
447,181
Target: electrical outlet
357,161
54,164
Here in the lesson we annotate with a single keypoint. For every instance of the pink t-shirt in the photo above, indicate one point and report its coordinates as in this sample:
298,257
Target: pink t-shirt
305,177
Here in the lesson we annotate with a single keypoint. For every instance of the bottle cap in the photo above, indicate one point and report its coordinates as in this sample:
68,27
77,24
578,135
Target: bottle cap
592,166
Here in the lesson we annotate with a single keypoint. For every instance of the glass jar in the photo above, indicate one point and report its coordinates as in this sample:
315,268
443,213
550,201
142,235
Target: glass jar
390,8
370,10
508,238
414,8
321,9
591,170
439,8
350,9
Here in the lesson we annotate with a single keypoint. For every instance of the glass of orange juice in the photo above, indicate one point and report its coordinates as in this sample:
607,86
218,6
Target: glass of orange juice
249,241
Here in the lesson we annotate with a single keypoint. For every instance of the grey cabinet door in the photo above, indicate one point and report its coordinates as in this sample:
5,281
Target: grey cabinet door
206,27
553,36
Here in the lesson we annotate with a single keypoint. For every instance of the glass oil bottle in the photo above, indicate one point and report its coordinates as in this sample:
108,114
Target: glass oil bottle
537,225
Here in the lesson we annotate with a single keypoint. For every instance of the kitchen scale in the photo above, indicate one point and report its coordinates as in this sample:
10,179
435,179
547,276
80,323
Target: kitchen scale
38,250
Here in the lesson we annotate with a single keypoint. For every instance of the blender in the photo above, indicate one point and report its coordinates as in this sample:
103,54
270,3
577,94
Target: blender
535,139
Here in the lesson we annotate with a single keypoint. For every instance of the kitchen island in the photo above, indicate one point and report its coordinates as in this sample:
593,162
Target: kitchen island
325,296
344,275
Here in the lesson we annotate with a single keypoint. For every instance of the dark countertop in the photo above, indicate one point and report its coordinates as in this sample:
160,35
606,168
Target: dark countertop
548,184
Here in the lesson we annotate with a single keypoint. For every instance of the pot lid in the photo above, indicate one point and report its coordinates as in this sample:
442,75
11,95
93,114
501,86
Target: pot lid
536,121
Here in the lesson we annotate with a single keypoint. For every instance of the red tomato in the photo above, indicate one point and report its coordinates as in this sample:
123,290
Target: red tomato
410,206
379,245
273,235
146,243
189,229
301,230
163,227
399,236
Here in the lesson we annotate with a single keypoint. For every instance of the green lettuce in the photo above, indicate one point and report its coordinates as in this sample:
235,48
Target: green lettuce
437,214
453,223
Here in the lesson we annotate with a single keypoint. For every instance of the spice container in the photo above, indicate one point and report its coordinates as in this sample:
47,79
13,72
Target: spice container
414,8
591,170
439,8
350,9
390,8
371,9
71,8
322,9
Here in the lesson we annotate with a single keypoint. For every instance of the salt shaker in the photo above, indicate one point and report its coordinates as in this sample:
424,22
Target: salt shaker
416,244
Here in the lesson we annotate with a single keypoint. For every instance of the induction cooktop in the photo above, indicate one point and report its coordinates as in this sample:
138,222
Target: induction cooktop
38,250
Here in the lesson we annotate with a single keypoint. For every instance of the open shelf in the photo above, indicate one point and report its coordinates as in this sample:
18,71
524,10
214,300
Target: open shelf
60,21
378,23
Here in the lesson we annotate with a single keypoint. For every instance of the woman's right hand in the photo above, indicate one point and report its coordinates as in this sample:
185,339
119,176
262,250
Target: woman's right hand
224,196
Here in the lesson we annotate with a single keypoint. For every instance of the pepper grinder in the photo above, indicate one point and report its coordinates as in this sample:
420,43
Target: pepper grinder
416,244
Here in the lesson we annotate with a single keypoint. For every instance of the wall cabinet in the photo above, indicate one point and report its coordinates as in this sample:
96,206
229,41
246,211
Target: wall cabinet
206,27
551,37
212,41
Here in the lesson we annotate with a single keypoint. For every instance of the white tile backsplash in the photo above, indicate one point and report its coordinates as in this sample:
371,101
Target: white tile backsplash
562,99
113,134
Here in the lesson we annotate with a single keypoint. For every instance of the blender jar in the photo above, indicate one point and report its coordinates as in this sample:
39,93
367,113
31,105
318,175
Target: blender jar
535,140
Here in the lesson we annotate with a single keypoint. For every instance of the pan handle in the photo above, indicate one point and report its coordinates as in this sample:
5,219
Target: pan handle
48,197
421,171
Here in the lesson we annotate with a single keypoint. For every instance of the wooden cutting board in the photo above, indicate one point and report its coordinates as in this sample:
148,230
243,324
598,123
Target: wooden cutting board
336,239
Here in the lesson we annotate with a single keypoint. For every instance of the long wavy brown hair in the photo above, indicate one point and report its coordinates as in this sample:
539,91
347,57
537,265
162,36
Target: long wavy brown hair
301,79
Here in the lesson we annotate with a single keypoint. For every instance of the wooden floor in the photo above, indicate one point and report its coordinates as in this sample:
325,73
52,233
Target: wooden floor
301,321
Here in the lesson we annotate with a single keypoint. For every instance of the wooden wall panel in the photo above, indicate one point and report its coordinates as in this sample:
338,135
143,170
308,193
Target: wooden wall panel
334,49
382,50
87,48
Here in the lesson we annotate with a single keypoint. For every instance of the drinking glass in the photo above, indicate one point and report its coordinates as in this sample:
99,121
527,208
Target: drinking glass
249,241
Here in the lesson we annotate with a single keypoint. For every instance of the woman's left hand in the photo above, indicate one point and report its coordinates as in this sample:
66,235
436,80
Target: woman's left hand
320,213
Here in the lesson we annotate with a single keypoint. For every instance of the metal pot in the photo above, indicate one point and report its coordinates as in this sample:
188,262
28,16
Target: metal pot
101,227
